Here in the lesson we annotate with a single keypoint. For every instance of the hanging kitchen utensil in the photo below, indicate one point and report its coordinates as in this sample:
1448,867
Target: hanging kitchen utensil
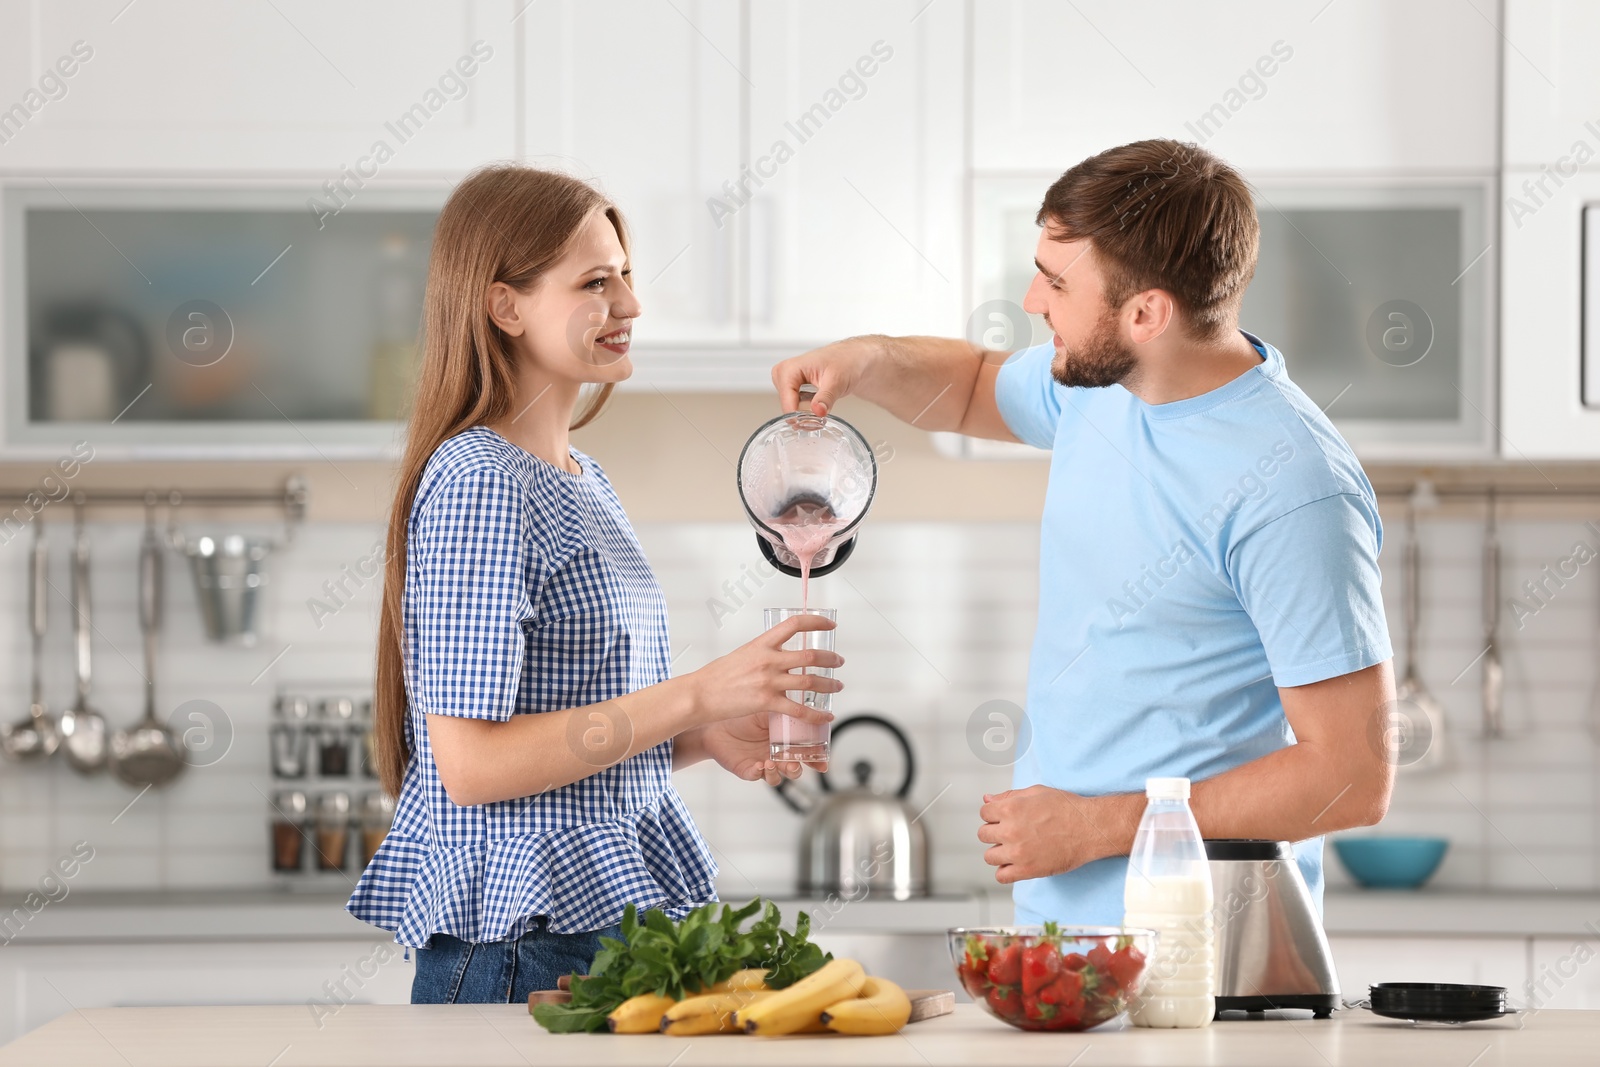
83,730
1594,695
35,737
229,573
1421,742
859,841
1493,672
148,753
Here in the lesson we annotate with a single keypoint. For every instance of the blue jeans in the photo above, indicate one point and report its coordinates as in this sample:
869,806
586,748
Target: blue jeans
453,971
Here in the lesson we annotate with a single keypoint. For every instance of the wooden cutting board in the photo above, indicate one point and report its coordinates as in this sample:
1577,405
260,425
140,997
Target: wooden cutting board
925,1003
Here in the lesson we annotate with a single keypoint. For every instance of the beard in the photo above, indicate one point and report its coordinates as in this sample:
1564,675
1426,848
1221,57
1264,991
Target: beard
1103,360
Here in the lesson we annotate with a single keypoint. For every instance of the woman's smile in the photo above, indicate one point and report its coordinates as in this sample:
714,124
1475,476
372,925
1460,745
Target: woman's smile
617,341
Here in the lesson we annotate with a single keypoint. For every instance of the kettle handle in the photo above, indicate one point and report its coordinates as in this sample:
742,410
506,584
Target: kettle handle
899,735
786,792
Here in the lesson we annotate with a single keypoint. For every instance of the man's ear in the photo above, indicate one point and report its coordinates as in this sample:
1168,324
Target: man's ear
1148,314
500,302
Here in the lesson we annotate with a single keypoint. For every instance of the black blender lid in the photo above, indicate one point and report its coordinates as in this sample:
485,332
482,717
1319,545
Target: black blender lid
1244,848
1441,1002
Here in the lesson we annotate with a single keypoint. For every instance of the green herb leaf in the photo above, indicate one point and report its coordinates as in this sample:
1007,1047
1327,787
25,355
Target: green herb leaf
568,1018
735,919
674,959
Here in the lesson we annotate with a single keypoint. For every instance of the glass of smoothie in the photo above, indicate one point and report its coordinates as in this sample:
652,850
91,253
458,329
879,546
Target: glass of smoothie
795,740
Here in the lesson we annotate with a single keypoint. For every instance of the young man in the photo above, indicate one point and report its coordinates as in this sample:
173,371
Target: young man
1209,599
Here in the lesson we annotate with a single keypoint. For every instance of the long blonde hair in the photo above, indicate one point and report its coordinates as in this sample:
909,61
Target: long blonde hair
503,223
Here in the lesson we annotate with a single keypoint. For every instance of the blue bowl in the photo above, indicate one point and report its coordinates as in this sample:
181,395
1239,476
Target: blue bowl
1391,862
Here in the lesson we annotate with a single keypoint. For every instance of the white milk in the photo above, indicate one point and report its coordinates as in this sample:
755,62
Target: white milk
1180,976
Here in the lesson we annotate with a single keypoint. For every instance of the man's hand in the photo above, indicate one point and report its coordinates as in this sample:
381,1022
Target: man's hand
834,369
739,746
932,383
1040,831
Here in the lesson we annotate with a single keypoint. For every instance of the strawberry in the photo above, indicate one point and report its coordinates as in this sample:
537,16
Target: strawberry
1040,964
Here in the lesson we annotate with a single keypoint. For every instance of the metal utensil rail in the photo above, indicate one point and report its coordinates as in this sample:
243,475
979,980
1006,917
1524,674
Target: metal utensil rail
293,498
1482,492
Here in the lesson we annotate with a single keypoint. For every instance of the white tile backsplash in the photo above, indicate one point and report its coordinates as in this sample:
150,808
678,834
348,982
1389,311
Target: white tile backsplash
936,619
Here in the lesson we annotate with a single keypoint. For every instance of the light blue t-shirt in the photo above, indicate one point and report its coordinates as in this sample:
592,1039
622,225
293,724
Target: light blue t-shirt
1194,556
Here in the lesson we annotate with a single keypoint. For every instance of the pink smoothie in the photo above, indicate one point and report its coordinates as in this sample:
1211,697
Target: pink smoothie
806,531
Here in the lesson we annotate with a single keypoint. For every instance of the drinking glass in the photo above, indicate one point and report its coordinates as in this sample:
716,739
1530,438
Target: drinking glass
795,740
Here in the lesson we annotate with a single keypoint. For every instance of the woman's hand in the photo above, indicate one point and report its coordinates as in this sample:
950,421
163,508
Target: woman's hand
740,747
755,678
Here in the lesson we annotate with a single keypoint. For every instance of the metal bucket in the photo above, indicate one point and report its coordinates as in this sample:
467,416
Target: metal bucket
228,576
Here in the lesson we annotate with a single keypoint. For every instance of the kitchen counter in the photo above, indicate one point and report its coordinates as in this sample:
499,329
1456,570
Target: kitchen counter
266,915
194,916
243,915
1442,912
385,1036
1446,912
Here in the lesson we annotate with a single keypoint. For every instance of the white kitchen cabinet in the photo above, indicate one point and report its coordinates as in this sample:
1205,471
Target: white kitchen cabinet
856,165
1563,975
39,982
644,100
1310,86
1552,98
1365,961
1542,413
184,86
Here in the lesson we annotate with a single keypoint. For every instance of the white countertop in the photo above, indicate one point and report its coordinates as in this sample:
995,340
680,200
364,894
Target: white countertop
276,916
239,915
1446,913
469,1035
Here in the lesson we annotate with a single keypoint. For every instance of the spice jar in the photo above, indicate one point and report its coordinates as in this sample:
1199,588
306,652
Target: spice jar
335,727
333,831
289,809
377,813
291,737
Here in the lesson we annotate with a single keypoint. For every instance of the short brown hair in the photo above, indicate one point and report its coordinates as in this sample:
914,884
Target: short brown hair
1162,214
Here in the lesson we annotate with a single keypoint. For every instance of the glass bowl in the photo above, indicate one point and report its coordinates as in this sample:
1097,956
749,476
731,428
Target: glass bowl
1051,977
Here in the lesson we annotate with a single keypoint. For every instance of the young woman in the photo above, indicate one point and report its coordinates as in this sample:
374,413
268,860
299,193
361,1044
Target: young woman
525,714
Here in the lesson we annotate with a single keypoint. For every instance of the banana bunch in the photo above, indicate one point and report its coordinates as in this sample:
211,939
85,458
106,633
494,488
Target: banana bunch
839,997
644,1013
882,1008
638,1015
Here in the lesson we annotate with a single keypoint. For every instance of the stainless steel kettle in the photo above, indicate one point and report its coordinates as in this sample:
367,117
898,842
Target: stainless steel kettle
860,841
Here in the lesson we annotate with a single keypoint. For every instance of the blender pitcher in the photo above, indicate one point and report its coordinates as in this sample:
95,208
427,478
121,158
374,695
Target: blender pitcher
806,482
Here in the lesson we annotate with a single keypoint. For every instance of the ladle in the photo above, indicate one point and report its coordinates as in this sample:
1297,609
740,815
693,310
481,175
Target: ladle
148,753
35,737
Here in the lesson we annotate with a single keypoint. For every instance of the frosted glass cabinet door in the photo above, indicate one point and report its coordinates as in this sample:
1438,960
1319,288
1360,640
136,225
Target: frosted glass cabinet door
186,321
1380,299
1380,294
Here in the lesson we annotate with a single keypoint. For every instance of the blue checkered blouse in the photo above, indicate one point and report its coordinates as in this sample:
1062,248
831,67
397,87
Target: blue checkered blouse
526,591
